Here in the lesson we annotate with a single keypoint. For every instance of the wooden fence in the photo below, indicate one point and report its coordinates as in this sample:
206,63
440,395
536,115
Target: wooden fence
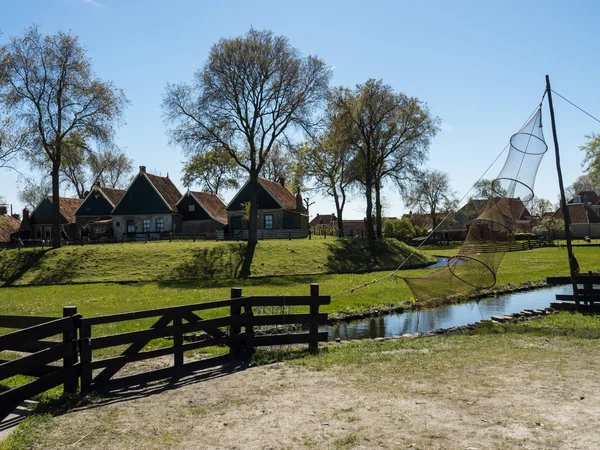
235,327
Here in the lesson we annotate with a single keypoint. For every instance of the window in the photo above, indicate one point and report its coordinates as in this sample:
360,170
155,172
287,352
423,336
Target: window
159,225
118,224
174,226
47,232
38,232
268,221
191,208
146,225
131,226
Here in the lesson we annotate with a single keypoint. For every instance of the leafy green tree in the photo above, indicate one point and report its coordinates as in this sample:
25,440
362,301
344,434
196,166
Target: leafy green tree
402,229
390,134
48,87
431,194
214,171
251,92
591,160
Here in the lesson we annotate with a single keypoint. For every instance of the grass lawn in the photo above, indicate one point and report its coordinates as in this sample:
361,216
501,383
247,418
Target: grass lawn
205,260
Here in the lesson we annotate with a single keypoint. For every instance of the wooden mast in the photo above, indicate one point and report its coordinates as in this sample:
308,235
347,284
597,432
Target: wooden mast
573,266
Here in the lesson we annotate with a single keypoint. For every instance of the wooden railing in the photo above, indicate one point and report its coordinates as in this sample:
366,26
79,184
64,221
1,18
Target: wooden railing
81,348
40,354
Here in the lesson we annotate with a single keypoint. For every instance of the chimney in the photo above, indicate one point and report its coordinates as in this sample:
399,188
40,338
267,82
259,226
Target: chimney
282,181
85,194
16,216
25,214
299,205
3,210
142,169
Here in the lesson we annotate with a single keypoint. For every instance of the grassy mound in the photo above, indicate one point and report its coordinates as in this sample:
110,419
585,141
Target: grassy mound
200,260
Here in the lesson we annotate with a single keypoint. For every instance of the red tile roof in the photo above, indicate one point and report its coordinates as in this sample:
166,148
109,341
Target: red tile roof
212,205
68,206
579,213
281,194
167,189
8,225
113,195
323,219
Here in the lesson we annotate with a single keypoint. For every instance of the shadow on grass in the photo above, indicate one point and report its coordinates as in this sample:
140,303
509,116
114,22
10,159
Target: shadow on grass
236,282
217,262
363,255
26,262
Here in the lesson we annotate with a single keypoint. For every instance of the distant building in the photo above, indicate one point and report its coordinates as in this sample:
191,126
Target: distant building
281,214
201,212
148,207
9,224
38,224
95,211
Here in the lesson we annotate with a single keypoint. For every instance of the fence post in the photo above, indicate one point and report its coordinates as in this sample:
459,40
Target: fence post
249,330
70,357
178,342
235,329
85,355
313,344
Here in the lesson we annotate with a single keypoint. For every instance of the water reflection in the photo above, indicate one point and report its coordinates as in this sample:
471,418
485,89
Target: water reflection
445,316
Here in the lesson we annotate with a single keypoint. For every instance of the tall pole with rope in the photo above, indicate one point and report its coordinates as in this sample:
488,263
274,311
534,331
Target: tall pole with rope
573,265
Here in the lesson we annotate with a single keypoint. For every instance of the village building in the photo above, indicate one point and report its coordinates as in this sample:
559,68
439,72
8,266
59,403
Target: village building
95,212
9,224
38,224
201,212
281,215
148,208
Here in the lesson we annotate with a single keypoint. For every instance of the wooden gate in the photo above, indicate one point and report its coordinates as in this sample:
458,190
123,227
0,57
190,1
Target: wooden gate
40,353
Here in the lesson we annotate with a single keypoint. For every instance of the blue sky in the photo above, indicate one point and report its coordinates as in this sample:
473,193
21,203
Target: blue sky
479,65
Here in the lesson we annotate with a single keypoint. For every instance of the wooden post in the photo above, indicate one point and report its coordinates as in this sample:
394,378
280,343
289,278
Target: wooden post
314,313
235,310
70,357
178,342
85,355
563,201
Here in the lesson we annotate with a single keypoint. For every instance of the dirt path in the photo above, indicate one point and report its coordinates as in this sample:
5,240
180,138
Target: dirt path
546,400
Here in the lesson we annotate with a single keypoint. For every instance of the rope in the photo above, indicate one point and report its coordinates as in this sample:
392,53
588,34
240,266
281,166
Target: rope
573,104
451,213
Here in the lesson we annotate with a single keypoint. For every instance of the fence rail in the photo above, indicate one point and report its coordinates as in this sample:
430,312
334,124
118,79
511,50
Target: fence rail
233,323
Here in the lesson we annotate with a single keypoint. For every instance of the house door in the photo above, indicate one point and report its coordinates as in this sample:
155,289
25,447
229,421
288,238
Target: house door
236,223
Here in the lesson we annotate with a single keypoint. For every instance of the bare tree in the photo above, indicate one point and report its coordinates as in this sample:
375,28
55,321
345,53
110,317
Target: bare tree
252,90
390,133
327,162
581,184
214,171
11,142
48,86
34,192
431,194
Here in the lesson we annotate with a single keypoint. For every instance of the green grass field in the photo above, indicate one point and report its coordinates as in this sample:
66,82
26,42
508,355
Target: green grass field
205,260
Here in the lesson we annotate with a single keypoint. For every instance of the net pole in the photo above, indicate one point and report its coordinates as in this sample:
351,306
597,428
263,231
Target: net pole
563,200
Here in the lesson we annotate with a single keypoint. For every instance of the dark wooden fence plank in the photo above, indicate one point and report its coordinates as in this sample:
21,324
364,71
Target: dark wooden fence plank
26,364
164,331
44,330
23,321
37,371
9,400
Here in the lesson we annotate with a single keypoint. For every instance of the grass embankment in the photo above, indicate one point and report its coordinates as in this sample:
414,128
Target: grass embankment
500,386
179,260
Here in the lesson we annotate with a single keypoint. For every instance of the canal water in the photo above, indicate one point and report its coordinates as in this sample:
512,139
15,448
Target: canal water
445,316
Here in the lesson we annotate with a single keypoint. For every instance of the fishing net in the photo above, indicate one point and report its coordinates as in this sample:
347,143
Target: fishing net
491,234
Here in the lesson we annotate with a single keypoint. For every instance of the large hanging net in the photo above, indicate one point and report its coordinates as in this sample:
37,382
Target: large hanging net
491,234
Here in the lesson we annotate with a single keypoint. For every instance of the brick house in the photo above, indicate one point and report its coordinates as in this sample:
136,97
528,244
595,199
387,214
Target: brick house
38,224
201,212
148,208
96,210
280,213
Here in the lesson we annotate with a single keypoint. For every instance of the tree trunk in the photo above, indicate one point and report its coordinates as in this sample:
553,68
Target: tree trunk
369,211
339,210
56,237
378,208
252,228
